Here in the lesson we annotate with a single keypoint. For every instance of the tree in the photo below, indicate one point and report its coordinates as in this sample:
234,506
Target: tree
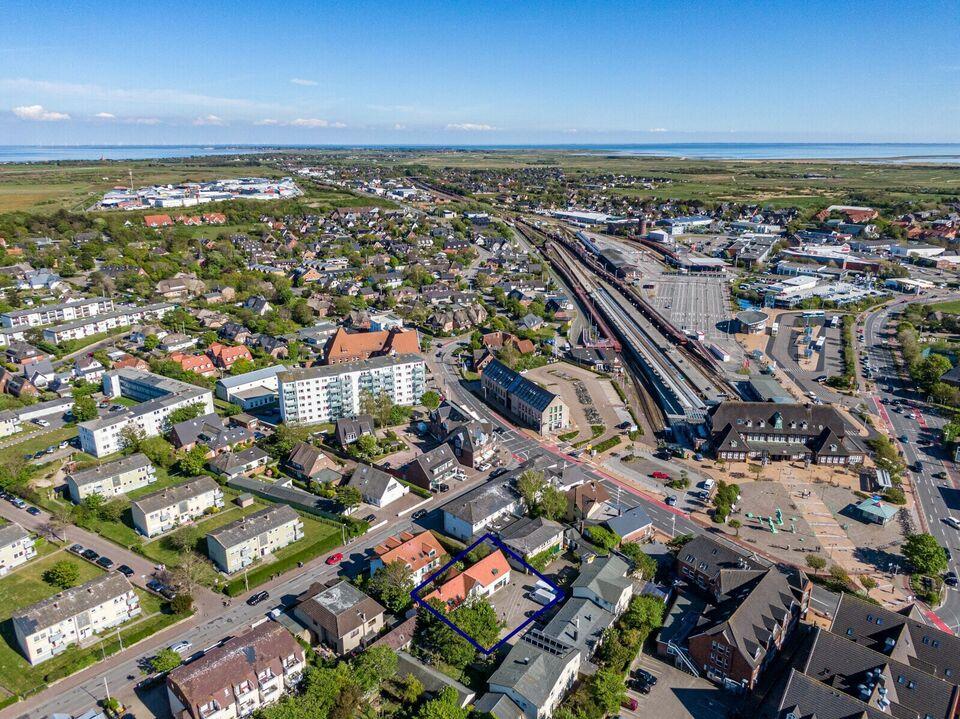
192,463
183,540
603,537
925,555
242,366
191,569
430,399
132,439
927,371
445,706
165,660
374,666
112,511
391,585
816,562
644,612
735,524
608,689
411,689
182,603
63,574
379,406
367,445
530,484
348,497
159,451
84,409
191,411
868,582
643,564
151,342
552,504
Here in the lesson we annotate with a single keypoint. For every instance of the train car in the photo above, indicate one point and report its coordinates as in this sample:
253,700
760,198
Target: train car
718,352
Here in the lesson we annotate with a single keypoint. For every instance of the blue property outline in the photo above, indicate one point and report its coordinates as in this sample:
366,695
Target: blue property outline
415,594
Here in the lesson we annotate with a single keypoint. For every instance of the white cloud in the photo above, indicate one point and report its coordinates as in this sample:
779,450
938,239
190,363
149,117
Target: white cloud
105,116
267,121
398,126
144,121
301,81
39,114
309,122
470,126
658,129
338,125
210,120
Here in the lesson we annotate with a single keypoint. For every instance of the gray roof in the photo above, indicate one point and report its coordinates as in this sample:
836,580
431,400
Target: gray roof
604,576
110,469
806,698
259,374
914,642
533,666
499,706
709,556
172,495
429,461
71,602
253,525
12,532
340,608
847,666
517,385
166,390
526,534
632,519
481,502
335,370
371,482
210,431
579,623
231,461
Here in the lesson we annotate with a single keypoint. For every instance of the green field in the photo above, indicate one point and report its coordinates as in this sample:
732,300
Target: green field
32,442
950,308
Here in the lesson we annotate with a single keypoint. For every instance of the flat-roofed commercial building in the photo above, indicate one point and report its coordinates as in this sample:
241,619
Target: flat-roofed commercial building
112,478
158,397
238,544
327,393
251,389
73,616
525,400
16,547
161,511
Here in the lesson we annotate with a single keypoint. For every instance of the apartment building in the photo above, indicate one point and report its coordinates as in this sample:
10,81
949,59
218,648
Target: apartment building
105,322
158,397
327,393
526,401
236,679
52,625
161,511
16,547
51,314
112,478
240,543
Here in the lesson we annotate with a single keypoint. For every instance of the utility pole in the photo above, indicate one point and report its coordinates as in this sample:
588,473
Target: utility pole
106,688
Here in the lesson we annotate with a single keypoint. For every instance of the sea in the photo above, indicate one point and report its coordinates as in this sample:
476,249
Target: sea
850,152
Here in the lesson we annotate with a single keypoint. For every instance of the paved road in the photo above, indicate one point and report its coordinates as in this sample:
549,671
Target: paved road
936,498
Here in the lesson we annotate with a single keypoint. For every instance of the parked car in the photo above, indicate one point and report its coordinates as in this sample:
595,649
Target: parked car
443,488
181,647
75,548
33,510
105,562
671,500
660,475
950,579
646,676
125,570
90,555
257,598
335,558
370,518
41,422
629,703
18,503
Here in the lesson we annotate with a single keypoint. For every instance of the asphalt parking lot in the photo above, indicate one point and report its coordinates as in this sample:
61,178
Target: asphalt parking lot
678,695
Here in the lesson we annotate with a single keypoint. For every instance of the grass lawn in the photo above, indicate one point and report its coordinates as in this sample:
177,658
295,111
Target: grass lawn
950,308
34,441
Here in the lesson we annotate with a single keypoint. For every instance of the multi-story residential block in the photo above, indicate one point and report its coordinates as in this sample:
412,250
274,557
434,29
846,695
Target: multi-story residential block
472,511
240,543
161,511
236,679
16,547
112,478
340,616
327,393
50,626
51,314
525,401
105,322
420,553
158,397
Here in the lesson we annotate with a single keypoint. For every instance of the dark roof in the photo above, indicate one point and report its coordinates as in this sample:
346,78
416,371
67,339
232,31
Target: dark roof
851,667
168,496
631,519
517,385
439,455
481,502
526,534
371,482
709,556
806,698
533,666
208,430
898,636
340,608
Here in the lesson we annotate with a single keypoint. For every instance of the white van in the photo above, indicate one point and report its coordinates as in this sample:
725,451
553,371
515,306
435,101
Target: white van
953,522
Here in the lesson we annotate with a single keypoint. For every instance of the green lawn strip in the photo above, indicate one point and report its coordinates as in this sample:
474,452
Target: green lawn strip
318,539
607,444
34,442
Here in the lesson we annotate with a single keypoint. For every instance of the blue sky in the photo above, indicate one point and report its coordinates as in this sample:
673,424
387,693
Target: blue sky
489,72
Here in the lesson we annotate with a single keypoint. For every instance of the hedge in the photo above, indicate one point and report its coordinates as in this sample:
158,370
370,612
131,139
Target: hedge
607,444
264,572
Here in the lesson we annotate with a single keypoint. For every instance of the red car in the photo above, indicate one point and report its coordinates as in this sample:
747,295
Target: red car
660,475
629,703
335,558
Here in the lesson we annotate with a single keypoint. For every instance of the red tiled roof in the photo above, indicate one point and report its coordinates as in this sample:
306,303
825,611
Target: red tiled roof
346,347
411,549
484,573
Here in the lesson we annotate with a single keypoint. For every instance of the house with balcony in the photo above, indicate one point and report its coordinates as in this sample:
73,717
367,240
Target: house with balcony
420,553
112,479
239,544
16,547
339,616
243,675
